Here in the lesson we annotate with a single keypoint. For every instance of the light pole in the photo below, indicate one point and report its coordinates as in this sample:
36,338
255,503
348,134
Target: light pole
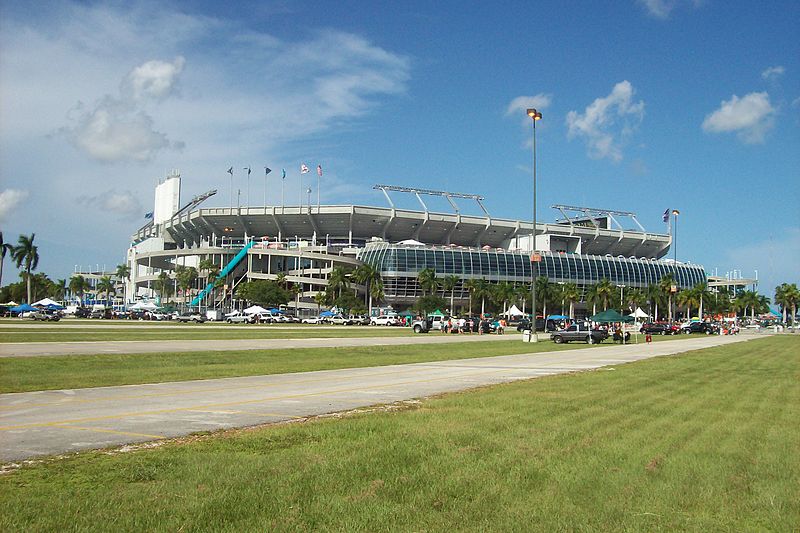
535,115
674,287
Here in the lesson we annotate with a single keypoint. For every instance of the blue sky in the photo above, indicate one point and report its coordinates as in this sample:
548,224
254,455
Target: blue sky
648,105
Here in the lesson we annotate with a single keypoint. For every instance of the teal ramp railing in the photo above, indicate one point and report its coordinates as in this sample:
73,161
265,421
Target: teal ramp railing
222,273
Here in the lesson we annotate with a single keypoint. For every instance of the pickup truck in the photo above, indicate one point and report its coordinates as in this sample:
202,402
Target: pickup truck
579,332
191,317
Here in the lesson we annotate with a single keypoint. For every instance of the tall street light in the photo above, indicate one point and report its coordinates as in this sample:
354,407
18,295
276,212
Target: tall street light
535,258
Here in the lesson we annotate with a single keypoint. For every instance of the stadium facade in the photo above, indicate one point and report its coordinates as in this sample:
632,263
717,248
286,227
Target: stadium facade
305,243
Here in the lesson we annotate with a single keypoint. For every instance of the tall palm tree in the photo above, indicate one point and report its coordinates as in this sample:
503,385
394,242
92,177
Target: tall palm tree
502,293
26,255
592,297
164,286
478,288
787,296
449,284
281,280
186,277
106,285
320,298
605,292
5,248
123,273
654,296
61,289
570,294
702,295
523,292
370,277
689,298
427,281
337,281
78,286
666,285
544,292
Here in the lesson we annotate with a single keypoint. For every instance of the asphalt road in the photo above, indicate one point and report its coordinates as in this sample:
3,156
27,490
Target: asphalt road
53,422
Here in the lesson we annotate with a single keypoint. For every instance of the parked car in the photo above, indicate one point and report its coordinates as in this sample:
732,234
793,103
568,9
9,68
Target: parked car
698,327
579,331
237,318
358,320
191,317
338,319
82,312
541,325
656,328
101,313
383,320
45,315
313,320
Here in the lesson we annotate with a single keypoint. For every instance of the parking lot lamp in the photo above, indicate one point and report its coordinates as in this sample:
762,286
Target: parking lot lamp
535,116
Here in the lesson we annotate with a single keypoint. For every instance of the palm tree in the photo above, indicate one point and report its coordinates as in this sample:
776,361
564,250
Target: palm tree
787,296
78,286
427,281
654,295
123,273
186,277
320,298
449,284
605,291
478,288
502,293
27,254
105,285
164,286
337,281
281,280
544,292
689,298
370,277
592,297
666,284
703,295
5,247
522,291
61,289
571,294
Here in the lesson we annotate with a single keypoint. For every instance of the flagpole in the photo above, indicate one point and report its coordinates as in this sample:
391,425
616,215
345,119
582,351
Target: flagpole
301,191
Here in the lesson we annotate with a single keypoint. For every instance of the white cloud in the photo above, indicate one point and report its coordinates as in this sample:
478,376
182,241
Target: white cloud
154,79
121,204
521,103
659,8
772,73
9,200
751,117
607,122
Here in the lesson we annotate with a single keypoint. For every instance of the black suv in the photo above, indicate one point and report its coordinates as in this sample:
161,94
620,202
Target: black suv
656,329
525,323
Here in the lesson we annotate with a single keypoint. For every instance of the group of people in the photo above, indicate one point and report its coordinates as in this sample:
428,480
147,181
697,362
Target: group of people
475,325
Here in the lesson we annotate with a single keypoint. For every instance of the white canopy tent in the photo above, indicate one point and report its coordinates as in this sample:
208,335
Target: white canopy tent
513,311
143,306
639,313
253,309
46,302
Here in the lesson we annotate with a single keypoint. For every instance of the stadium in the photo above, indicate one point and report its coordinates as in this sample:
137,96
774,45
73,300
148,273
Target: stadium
303,244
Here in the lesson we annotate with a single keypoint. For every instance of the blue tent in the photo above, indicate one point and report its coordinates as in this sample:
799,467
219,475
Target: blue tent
327,313
557,317
275,311
24,308
55,307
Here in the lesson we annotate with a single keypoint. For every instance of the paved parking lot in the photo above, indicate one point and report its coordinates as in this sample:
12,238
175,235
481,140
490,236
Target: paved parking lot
52,422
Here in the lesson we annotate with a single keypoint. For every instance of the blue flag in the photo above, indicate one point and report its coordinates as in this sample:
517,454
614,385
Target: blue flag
148,215
665,218
283,173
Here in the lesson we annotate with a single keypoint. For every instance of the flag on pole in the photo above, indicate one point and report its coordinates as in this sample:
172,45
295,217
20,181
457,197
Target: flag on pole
283,173
665,217
247,169
303,169
267,170
319,170
230,171
148,215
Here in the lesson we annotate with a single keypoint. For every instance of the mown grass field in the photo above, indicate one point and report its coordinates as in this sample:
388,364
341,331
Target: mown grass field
191,332
705,441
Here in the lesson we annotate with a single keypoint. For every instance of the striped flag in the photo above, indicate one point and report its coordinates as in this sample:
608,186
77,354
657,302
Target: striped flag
665,217
319,170
303,169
